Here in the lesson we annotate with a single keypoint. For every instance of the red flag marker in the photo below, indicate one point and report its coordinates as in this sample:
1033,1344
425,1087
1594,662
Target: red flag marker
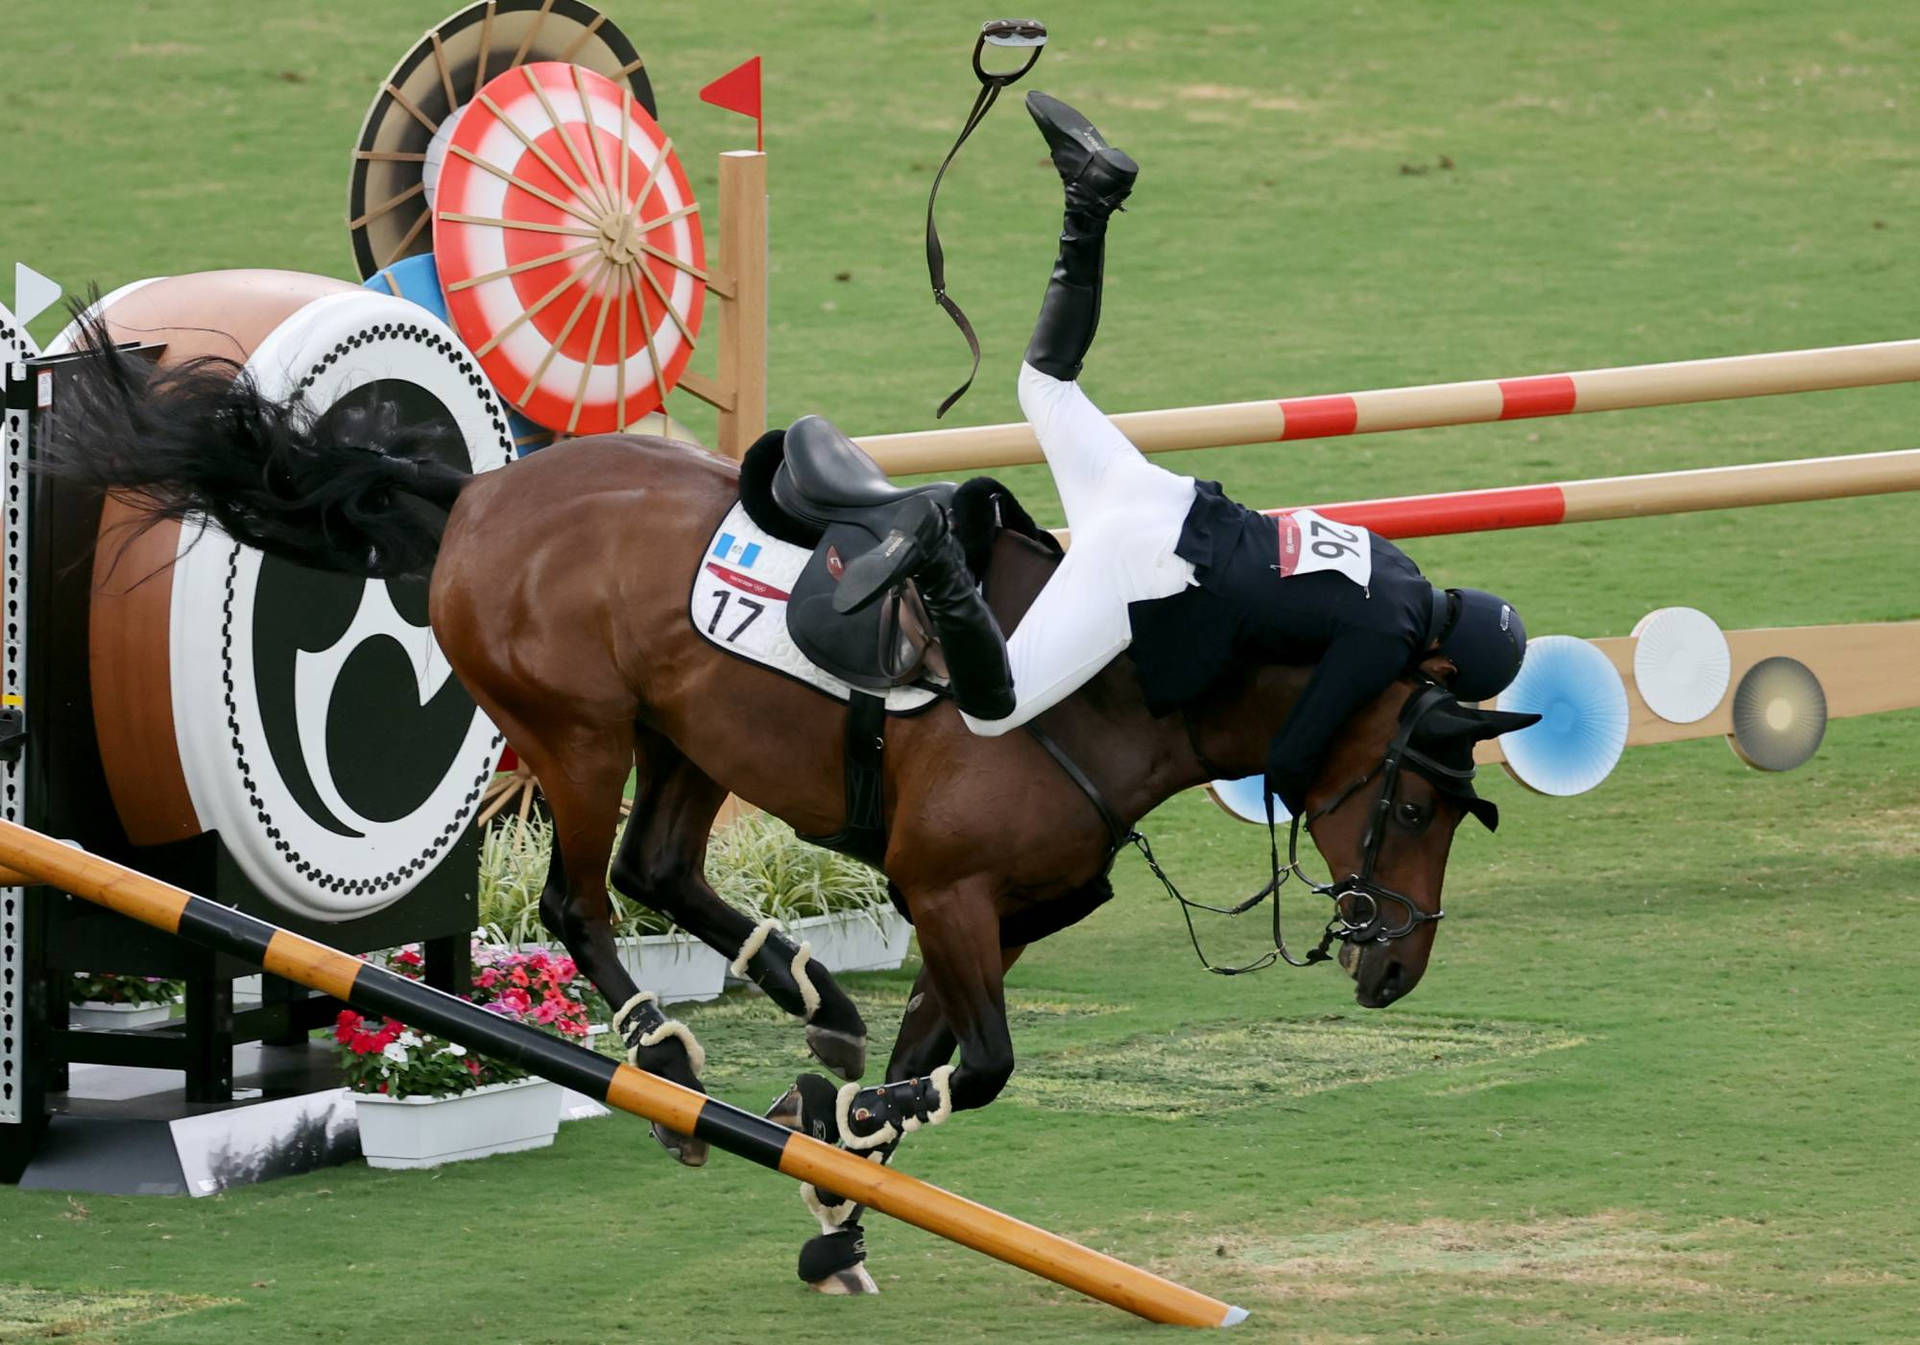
739,91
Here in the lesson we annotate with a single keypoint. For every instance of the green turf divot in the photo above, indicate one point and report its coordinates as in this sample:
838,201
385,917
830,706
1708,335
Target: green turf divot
748,1036
27,1313
1173,1075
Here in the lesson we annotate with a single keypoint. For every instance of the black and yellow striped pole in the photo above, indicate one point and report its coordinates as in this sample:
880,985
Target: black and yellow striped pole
41,859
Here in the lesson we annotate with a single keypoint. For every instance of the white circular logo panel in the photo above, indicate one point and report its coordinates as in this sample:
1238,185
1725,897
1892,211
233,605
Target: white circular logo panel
321,730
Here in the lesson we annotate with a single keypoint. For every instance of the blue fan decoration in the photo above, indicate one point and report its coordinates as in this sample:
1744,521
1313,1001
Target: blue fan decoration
417,279
1582,703
1243,799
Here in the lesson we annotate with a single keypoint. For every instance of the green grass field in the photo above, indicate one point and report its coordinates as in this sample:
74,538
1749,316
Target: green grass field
1659,1083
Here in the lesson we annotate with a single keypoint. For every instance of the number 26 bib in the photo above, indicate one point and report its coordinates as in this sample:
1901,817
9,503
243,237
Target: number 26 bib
1309,543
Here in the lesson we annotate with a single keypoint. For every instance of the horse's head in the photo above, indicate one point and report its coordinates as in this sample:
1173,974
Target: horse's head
1382,814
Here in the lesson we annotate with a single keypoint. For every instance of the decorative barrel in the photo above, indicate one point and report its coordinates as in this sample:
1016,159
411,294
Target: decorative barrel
308,718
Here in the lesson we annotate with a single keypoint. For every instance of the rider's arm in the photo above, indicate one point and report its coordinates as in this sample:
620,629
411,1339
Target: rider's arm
1357,667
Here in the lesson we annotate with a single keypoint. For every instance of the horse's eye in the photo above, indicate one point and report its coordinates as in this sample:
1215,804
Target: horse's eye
1412,814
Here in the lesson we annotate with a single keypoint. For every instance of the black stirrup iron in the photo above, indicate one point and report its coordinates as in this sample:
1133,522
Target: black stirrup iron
1029,33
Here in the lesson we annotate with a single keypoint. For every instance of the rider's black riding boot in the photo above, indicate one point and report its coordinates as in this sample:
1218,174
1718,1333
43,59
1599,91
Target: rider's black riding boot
1097,178
922,547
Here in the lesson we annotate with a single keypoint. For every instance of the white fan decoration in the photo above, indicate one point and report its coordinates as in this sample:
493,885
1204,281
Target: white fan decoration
1681,663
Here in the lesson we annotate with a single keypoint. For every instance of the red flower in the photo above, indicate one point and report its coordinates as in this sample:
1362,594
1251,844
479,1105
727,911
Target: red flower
409,957
516,1000
346,1025
519,976
486,979
572,1027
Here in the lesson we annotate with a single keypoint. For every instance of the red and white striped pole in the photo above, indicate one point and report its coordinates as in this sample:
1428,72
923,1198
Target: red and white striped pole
1471,403
1634,496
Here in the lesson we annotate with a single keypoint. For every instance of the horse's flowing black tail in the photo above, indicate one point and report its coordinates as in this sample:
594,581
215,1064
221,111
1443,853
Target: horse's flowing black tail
350,489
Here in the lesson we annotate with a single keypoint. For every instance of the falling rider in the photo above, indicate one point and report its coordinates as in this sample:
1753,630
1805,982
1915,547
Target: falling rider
1194,583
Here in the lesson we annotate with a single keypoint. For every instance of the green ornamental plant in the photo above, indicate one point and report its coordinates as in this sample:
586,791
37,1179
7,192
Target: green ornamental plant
112,988
757,864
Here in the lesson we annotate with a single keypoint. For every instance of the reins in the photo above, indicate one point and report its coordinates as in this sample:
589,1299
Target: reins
1361,891
1030,33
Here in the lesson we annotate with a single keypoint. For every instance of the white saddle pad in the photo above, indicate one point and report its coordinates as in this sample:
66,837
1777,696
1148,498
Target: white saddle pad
739,602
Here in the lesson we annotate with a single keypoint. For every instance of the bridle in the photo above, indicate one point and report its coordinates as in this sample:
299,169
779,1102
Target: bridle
1365,896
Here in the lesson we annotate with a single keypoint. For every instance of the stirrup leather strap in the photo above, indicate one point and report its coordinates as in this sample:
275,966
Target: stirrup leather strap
1029,33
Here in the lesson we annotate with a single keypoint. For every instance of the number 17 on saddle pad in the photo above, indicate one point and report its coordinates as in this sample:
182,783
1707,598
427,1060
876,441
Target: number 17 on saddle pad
739,602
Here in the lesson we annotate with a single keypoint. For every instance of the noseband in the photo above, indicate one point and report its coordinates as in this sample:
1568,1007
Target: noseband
1365,896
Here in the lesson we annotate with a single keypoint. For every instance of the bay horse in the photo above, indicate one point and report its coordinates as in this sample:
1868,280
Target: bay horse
559,595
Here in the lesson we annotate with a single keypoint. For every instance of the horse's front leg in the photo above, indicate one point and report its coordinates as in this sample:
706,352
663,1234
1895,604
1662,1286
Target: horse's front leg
965,966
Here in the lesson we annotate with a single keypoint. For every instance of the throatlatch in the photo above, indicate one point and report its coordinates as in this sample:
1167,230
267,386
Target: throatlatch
1029,33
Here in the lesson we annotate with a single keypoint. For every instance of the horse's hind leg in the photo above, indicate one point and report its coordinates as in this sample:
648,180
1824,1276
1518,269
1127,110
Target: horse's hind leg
582,773
662,862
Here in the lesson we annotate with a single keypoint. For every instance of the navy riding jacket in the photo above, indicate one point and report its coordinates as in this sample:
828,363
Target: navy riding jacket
1243,612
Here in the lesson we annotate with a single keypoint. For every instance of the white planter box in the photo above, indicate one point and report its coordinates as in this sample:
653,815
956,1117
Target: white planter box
855,940
247,992
674,966
95,1016
424,1132
578,1106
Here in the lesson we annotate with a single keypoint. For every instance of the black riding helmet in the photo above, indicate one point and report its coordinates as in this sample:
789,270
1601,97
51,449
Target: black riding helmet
1485,640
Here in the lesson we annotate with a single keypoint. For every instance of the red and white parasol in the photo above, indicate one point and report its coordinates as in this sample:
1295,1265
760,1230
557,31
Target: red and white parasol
569,247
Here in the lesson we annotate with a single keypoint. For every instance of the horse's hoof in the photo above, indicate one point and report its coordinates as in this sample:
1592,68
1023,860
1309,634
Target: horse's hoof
841,1052
846,1283
786,1109
687,1150
835,1263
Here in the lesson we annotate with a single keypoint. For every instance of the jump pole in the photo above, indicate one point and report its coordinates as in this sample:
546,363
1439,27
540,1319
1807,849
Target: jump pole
1472,403
42,859
1653,493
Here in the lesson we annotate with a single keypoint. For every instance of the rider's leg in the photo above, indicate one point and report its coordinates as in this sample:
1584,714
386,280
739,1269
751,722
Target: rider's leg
1096,178
1095,467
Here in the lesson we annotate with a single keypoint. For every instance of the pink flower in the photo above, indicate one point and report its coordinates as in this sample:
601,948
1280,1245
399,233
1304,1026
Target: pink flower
519,976
486,979
515,1001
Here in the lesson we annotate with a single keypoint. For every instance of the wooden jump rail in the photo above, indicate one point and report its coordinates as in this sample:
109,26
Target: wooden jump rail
42,859
1472,403
1642,496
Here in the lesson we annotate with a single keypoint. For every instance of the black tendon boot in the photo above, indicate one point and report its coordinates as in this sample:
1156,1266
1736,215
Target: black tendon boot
1097,179
922,547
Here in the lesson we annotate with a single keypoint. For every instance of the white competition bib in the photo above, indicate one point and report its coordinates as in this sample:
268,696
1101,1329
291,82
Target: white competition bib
739,602
1309,543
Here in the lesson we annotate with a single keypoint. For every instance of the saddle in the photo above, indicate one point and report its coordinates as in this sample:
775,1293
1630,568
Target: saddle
813,486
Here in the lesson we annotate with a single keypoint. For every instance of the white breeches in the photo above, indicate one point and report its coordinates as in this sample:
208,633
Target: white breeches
1125,515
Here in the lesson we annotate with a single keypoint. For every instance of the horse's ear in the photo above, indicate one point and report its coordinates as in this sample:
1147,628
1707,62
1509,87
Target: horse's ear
1471,723
1493,723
